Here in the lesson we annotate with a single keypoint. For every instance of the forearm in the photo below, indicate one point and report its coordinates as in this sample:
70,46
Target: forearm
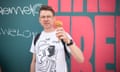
32,67
76,53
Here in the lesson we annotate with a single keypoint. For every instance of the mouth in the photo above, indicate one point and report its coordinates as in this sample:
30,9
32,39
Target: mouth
46,23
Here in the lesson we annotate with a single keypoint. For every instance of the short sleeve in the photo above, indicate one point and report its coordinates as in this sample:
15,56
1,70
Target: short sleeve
33,49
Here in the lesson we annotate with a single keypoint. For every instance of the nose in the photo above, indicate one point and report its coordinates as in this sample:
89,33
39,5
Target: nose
46,18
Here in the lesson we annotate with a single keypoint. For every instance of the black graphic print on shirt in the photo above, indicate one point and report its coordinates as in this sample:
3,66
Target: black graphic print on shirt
46,58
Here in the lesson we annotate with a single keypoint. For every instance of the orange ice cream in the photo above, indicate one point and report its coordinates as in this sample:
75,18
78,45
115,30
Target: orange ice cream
58,23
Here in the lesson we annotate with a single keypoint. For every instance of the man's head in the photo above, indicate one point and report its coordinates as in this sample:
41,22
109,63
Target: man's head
47,8
46,17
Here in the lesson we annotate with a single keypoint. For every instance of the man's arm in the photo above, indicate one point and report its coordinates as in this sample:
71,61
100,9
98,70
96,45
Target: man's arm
76,52
32,66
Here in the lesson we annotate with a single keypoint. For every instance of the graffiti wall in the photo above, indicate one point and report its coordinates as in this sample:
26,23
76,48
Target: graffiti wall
93,24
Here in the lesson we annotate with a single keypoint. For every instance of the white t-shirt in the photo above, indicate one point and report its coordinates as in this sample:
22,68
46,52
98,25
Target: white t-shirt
50,55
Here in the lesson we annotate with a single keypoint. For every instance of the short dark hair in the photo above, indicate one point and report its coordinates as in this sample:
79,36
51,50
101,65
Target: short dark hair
46,7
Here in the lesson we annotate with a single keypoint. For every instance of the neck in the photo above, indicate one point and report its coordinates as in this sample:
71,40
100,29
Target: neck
49,30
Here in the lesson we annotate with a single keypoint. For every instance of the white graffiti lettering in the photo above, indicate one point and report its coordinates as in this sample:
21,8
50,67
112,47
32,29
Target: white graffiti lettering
26,10
17,33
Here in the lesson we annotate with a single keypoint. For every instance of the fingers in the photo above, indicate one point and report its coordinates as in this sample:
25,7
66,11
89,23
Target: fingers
60,33
59,29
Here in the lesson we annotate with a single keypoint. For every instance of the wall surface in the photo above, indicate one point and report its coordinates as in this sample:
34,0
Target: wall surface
93,24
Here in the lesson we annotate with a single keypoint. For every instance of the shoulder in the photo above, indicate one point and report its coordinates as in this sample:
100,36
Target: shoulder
37,37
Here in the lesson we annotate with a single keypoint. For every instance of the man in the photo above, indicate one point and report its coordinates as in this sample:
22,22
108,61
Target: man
48,52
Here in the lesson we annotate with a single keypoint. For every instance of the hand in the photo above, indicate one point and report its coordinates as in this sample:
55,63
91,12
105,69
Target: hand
61,34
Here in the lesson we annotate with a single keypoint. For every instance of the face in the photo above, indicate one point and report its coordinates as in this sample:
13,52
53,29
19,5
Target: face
46,19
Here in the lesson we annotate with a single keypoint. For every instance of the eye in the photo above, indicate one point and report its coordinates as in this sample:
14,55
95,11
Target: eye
42,17
49,16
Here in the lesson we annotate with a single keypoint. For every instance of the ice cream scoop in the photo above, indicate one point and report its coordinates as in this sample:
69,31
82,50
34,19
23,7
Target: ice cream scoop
58,23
